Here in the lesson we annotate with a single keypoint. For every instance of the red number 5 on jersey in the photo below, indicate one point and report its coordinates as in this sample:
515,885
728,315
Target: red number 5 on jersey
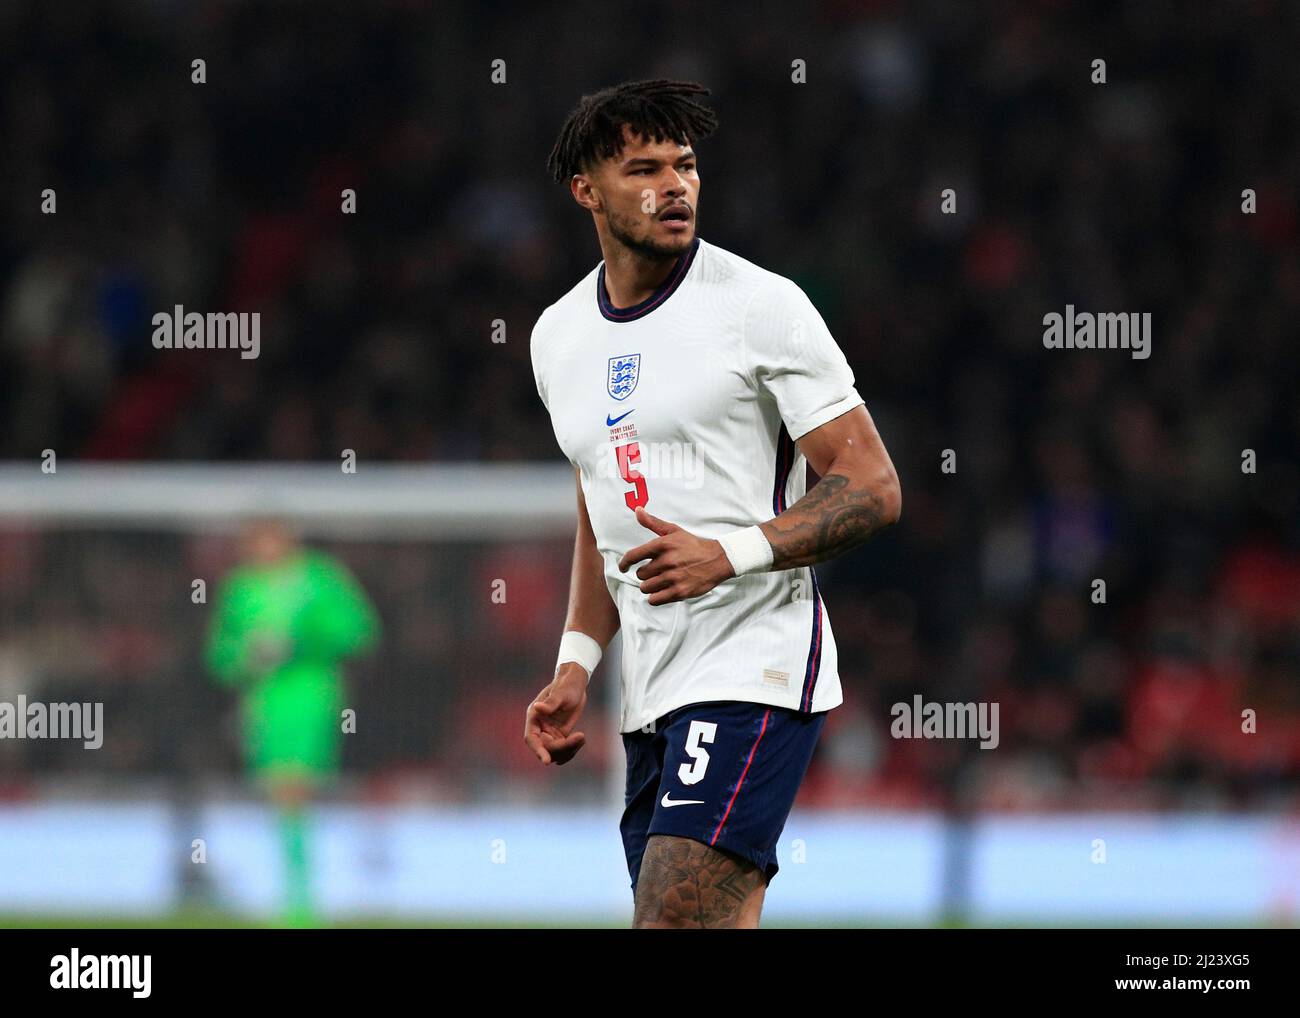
627,455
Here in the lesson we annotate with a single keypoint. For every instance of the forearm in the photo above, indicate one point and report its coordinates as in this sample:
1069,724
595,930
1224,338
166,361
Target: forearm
591,610
841,511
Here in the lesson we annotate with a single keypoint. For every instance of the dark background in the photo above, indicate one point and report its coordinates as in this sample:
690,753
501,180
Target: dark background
1072,465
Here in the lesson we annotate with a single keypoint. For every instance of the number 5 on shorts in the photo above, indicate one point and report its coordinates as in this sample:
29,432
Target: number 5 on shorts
700,731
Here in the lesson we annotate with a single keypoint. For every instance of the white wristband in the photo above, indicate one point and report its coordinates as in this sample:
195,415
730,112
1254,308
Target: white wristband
579,647
747,550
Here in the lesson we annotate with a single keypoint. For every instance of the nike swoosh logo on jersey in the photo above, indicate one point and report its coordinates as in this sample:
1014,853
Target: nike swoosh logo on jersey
665,801
611,421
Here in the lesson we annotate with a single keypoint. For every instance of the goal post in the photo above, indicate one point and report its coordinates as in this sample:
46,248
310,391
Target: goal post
448,502
468,565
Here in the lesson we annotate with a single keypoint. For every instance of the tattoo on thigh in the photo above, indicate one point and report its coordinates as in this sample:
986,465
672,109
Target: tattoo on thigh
686,883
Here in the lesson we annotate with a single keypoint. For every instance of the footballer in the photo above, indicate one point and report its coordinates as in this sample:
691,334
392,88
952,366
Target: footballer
285,621
676,347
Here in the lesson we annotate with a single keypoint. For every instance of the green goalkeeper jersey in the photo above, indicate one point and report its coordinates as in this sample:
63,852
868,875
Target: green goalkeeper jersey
279,634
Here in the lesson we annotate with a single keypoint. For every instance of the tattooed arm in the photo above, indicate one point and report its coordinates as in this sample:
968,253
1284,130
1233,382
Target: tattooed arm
858,494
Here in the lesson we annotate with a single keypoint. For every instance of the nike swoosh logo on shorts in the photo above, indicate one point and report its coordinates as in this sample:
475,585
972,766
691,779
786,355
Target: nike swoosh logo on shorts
665,801
610,420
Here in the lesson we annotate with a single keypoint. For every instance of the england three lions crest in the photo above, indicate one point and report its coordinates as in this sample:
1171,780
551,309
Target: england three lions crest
624,373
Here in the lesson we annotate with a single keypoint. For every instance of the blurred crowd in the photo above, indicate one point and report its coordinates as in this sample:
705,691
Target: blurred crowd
377,335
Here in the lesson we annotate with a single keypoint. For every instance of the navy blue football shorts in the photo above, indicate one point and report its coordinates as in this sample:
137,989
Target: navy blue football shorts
723,773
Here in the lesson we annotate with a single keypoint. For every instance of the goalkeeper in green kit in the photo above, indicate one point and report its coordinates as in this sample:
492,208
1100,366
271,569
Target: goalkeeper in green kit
283,622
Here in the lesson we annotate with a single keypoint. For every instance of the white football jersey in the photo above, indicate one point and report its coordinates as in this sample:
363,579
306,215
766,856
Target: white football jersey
689,403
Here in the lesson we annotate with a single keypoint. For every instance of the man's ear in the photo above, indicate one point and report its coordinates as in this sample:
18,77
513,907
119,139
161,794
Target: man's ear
584,193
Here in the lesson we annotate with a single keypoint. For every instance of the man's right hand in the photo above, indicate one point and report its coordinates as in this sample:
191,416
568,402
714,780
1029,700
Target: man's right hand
548,725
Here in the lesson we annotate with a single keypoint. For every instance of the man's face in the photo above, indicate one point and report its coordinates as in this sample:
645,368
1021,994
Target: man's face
648,194
267,541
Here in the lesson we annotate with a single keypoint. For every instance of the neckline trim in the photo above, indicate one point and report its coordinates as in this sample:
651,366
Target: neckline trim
665,289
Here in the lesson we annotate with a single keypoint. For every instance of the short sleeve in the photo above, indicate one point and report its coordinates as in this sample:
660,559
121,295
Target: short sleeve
538,345
535,347
793,357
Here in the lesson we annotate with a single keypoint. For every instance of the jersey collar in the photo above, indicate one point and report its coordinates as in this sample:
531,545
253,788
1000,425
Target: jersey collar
664,291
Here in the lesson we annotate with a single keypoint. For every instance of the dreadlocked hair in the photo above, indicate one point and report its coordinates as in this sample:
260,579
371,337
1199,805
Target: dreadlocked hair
662,110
